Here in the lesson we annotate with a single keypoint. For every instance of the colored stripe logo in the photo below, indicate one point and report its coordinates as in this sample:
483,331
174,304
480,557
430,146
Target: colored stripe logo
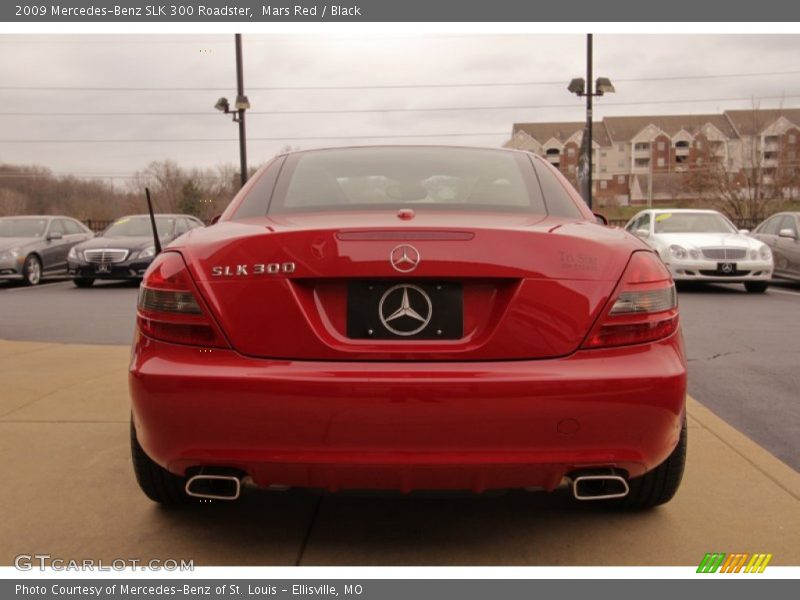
714,562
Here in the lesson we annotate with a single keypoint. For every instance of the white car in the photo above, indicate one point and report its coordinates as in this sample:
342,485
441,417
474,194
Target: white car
703,245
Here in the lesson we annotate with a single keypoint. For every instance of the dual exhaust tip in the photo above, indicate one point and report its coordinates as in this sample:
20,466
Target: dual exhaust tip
214,487
597,486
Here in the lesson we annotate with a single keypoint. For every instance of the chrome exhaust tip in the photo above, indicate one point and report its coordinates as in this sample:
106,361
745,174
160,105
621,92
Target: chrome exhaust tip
214,487
599,487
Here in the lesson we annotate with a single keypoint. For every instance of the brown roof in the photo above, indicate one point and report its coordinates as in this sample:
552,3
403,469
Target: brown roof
623,129
542,132
752,122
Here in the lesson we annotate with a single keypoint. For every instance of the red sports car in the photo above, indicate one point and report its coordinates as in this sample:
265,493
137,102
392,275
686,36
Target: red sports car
408,318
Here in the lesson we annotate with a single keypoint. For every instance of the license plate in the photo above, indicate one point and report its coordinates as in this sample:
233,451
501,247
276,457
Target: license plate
726,268
405,310
102,269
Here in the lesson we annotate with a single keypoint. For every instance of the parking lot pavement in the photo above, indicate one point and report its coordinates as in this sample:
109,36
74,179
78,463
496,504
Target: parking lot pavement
743,354
57,311
64,440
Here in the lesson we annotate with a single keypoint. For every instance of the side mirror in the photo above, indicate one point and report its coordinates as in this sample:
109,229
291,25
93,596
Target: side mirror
54,235
215,219
744,231
642,233
787,233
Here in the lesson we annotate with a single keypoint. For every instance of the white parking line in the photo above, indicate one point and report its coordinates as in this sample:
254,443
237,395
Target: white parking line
787,292
36,287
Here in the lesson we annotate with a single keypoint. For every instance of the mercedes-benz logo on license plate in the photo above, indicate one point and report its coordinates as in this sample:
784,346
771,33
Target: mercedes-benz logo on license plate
405,309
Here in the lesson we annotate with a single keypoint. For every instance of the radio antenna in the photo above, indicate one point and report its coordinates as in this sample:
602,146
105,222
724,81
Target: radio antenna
156,240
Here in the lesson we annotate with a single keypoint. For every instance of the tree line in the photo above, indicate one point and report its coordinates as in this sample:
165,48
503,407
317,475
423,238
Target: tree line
30,189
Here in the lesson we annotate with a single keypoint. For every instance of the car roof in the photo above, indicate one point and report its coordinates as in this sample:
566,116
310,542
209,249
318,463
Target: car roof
168,215
421,146
38,217
684,210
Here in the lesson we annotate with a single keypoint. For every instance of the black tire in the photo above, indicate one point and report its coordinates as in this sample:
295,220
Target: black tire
83,282
756,287
156,482
659,485
32,270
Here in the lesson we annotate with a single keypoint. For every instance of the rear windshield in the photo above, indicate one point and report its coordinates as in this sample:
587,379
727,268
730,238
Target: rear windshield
692,223
418,177
12,228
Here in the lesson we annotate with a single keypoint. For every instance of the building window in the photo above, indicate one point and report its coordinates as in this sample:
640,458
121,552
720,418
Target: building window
621,147
641,163
621,164
792,138
570,151
602,169
571,169
660,145
602,155
621,179
661,162
699,145
640,146
603,184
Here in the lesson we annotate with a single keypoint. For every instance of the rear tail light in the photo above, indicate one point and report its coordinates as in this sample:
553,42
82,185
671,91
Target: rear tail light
644,309
169,308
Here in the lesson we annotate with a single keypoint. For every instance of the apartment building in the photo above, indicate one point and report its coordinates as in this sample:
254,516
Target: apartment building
651,158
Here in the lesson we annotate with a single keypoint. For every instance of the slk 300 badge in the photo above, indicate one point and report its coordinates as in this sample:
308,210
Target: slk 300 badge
256,269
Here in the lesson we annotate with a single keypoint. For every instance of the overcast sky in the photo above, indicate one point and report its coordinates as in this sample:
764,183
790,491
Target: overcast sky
207,61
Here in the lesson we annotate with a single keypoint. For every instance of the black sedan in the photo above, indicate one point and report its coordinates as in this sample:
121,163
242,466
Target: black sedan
126,248
36,246
780,233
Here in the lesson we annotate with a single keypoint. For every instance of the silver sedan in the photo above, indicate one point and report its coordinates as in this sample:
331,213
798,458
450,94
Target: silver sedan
703,245
35,247
780,233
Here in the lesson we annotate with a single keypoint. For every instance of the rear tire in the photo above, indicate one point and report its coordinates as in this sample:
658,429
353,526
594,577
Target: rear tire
32,270
83,282
156,482
756,287
659,485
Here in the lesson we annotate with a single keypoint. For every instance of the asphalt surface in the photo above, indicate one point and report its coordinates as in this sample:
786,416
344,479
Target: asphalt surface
743,349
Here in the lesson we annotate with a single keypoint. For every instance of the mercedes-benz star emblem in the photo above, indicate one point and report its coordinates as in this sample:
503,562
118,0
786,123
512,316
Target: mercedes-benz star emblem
404,258
405,309
727,268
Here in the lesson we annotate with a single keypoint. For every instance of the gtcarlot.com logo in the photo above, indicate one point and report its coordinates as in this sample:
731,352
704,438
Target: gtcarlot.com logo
28,562
719,562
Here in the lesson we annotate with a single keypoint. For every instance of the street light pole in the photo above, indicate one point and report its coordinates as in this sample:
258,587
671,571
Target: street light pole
590,89
240,109
589,95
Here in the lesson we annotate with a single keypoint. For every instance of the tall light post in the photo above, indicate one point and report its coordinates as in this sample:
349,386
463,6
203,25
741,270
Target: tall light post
241,105
578,87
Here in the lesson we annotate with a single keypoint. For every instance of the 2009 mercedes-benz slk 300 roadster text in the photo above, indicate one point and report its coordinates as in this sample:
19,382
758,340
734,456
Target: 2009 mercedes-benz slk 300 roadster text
408,318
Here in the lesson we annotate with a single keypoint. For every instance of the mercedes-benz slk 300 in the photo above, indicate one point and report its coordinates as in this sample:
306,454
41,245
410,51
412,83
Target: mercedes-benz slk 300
408,318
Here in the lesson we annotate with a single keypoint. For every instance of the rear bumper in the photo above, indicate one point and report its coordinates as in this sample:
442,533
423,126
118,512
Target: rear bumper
408,426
